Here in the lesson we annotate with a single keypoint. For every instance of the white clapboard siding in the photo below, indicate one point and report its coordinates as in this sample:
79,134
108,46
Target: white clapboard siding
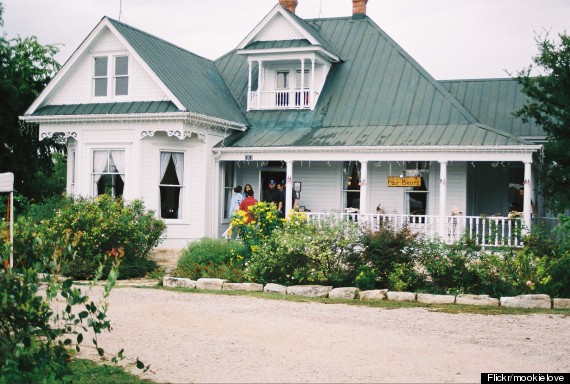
456,187
321,185
391,199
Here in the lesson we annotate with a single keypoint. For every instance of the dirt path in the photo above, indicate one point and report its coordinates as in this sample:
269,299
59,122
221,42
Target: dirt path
200,338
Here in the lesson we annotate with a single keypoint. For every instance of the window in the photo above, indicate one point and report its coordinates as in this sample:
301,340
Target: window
120,72
351,184
171,184
417,197
282,95
100,76
282,79
302,96
121,75
305,79
71,161
108,172
228,188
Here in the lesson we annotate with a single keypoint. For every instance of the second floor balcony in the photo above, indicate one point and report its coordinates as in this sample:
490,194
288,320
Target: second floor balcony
280,99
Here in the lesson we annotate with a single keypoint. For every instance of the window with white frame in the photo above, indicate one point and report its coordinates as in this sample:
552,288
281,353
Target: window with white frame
100,76
121,75
72,167
108,172
171,184
119,67
282,79
282,94
417,197
302,95
351,185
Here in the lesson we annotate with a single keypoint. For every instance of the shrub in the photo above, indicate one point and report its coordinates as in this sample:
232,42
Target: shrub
388,249
107,226
265,219
304,252
365,278
447,267
36,339
216,258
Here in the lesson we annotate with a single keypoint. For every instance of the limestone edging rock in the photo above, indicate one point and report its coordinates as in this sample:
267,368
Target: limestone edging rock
309,290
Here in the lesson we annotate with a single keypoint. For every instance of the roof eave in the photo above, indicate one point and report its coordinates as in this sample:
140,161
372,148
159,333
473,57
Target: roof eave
133,117
275,51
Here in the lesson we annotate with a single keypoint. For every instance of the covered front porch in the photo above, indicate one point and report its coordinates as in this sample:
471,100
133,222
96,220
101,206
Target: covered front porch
446,191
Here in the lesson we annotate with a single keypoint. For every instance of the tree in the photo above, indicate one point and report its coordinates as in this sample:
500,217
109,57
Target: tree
549,107
26,66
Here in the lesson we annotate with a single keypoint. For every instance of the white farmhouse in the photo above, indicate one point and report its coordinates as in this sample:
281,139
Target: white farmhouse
332,106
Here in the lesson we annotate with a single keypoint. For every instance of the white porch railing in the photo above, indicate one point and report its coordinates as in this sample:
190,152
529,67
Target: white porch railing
485,231
295,99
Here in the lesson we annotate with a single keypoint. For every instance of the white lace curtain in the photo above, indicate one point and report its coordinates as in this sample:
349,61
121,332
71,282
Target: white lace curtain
118,158
100,159
177,159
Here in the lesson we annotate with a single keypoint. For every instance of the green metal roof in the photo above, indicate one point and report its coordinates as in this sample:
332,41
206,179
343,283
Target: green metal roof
194,80
314,31
378,95
492,102
278,44
407,135
106,108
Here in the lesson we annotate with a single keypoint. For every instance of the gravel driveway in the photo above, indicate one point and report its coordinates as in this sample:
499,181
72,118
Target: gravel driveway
202,338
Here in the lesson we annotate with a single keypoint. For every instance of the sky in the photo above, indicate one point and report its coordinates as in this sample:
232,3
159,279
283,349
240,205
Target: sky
451,39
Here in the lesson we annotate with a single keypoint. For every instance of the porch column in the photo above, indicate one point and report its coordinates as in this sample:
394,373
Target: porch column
363,187
302,96
442,197
216,202
313,93
527,205
259,82
249,86
289,189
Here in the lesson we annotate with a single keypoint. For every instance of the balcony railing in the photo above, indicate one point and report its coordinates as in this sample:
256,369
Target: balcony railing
485,231
296,99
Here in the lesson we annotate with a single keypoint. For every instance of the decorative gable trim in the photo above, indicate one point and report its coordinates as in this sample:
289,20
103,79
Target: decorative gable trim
294,23
82,50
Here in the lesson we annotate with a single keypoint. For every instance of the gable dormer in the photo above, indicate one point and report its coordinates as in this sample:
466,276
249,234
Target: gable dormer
288,61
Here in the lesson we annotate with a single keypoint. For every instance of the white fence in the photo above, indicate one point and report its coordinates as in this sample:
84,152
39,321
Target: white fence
485,231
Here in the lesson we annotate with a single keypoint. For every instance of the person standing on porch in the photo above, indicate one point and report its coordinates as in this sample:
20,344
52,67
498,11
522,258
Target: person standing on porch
247,203
518,204
237,198
273,195
284,197
245,189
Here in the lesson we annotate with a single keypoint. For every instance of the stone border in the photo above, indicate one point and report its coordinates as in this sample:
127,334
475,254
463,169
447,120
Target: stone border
352,293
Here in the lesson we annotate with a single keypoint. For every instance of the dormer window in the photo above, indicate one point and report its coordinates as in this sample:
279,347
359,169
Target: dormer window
100,76
119,67
282,79
121,75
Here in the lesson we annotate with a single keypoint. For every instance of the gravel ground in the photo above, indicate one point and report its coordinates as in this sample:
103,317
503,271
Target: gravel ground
201,338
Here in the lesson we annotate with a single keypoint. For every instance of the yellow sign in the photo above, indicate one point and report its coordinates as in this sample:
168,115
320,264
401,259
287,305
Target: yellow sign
409,181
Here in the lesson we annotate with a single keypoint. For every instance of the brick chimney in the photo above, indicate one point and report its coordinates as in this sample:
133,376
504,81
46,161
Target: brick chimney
359,8
289,5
